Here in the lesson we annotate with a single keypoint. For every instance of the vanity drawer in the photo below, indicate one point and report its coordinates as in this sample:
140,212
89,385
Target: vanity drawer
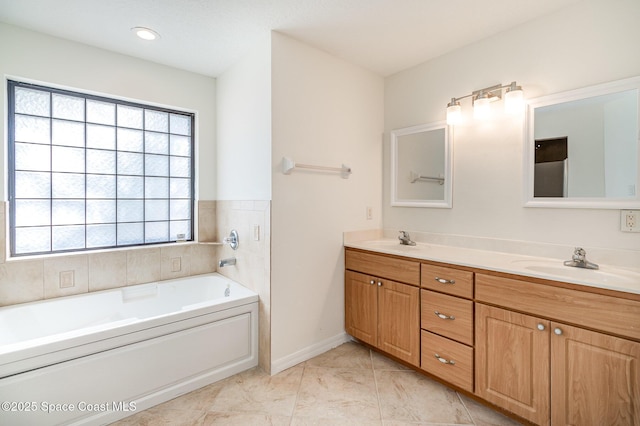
454,362
447,315
611,314
392,268
447,280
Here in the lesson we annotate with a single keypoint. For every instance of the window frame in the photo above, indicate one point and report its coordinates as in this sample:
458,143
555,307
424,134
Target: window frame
13,83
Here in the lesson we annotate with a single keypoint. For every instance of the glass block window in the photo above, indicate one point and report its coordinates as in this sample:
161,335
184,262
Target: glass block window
88,172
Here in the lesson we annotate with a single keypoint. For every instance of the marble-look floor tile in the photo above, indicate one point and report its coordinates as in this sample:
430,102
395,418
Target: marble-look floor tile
244,419
200,399
254,391
348,355
401,423
411,397
485,416
308,421
381,362
160,416
337,393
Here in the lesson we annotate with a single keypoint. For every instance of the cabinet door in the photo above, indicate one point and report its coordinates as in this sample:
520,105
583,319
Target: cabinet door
399,319
361,307
595,378
512,362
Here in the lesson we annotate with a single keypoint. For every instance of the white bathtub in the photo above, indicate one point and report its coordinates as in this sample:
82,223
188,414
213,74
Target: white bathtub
98,357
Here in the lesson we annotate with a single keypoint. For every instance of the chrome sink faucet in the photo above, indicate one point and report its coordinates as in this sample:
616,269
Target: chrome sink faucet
405,239
579,260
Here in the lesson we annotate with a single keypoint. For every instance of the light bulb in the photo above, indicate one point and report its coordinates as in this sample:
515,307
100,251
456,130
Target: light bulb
454,114
145,33
514,101
481,107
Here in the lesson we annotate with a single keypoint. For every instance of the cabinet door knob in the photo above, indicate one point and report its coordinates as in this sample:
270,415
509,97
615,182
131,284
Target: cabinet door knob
557,331
541,327
445,281
379,283
443,316
372,282
444,361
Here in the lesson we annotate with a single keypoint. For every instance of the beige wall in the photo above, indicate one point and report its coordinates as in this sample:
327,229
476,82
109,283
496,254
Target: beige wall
591,42
327,112
243,132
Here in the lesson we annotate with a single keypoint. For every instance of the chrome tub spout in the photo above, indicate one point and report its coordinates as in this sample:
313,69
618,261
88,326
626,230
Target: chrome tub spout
227,262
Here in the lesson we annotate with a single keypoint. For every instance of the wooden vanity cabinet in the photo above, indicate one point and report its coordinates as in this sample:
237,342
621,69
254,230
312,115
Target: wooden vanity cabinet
379,310
447,324
548,352
547,371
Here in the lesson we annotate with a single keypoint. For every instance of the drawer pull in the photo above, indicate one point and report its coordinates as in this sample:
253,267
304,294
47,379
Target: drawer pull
443,316
444,361
445,281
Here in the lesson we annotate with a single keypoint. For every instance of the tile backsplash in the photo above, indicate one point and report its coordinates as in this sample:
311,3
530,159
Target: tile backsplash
31,279
252,220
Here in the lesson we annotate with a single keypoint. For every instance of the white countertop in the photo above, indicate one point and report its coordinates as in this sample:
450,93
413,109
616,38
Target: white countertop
607,277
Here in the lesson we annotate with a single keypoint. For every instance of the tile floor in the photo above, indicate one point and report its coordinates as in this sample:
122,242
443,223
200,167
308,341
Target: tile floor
349,385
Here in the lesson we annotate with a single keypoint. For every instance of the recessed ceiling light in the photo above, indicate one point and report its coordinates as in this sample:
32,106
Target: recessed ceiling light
145,33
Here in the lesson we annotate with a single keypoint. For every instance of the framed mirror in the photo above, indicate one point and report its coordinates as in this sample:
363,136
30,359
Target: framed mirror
421,163
582,148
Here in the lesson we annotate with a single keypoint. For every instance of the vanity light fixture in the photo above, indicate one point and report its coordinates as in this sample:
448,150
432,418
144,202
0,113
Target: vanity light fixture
145,33
481,99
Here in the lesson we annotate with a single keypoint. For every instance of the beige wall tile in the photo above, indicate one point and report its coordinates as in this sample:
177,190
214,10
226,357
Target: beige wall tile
207,220
143,266
107,270
21,281
203,259
72,269
264,334
29,280
252,259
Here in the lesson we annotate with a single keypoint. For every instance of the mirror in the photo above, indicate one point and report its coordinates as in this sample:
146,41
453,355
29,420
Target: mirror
421,163
581,148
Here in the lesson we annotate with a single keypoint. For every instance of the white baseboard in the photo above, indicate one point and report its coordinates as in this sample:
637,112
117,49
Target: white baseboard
309,352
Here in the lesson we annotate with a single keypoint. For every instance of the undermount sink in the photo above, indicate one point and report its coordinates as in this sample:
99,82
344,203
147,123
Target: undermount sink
394,245
553,267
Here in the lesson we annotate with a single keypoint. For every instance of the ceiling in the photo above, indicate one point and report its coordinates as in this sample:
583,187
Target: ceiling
208,36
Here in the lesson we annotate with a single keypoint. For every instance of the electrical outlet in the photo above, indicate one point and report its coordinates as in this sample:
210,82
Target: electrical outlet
630,220
67,279
369,213
176,264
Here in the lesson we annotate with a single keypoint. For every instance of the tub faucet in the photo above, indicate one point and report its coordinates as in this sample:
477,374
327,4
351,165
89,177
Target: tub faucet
227,262
405,239
579,260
